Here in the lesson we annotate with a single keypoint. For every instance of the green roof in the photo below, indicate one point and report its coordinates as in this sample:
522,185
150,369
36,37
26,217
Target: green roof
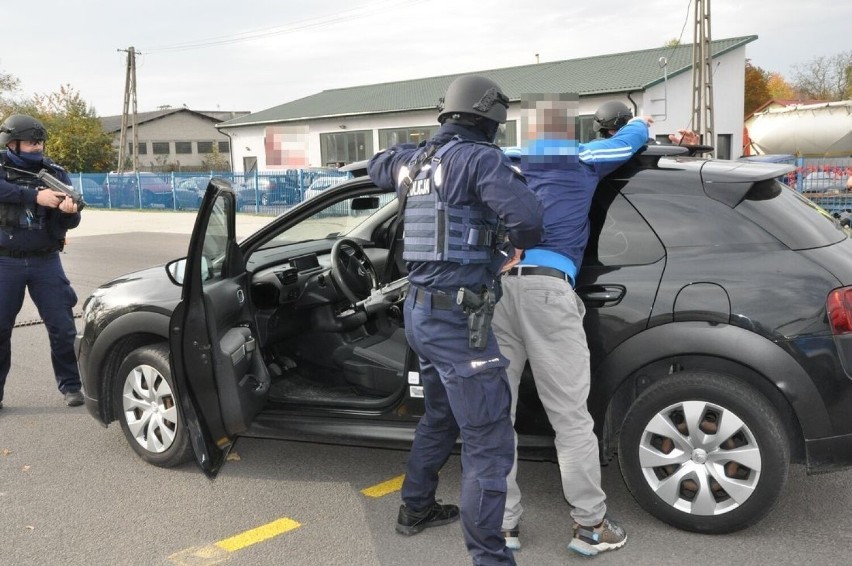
602,74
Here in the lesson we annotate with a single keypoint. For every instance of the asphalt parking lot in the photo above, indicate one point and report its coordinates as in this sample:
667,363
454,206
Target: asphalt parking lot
74,493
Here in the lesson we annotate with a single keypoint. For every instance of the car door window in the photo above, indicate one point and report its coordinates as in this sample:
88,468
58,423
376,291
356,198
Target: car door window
216,240
619,235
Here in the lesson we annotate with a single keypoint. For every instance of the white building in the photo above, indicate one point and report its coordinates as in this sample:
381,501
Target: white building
350,124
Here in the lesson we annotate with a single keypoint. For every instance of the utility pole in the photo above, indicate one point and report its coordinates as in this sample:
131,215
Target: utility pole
702,75
127,115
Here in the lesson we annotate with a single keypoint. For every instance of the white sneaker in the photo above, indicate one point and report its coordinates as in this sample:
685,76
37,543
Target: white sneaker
512,538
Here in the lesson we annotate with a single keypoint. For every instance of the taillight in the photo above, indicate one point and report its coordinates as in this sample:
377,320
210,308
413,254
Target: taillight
839,307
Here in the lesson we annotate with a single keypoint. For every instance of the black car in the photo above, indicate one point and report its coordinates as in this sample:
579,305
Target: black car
719,319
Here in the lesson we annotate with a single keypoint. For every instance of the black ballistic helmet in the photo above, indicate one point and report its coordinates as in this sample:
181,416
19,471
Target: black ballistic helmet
611,115
21,127
474,95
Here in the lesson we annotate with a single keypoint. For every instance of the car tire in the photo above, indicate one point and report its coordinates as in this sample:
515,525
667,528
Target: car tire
148,409
681,469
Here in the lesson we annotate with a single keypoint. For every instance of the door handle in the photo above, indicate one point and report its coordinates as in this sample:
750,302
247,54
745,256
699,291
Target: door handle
601,294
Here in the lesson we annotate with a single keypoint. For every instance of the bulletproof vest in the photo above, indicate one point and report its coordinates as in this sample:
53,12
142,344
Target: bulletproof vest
16,215
439,231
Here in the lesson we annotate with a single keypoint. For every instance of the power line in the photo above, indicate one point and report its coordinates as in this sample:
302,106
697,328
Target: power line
311,23
682,29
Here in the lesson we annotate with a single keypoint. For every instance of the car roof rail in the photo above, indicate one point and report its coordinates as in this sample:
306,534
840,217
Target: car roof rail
358,168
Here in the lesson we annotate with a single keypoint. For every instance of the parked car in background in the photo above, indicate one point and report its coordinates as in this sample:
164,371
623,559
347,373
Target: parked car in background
267,190
823,182
140,188
190,191
93,193
322,183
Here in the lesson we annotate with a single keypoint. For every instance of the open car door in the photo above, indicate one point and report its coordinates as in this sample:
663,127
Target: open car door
221,378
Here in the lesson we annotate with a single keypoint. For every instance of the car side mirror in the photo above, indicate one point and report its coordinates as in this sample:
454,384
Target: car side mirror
177,268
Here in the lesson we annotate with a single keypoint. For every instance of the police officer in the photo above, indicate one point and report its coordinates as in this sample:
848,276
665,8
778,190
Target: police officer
33,223
457,187
613,115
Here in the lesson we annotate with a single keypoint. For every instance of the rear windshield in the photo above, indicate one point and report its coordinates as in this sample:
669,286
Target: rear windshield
794,220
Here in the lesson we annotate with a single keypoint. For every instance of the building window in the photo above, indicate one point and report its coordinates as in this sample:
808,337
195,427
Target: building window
723,141
415,135
160,148
205,147
183,147
586,128
347,147
143,148
224,147
507,135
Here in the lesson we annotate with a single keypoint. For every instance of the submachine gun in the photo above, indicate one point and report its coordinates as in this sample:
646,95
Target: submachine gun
52,182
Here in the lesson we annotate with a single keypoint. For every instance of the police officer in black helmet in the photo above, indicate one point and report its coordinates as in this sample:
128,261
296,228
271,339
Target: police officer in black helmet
33,223
613,115
457,188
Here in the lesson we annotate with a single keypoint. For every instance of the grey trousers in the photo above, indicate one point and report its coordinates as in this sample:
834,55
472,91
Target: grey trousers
540,319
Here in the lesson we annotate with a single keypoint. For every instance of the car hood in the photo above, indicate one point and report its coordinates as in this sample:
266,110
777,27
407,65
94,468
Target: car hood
147,289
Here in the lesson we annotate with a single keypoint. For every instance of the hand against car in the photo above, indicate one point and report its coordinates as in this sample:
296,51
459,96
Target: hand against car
685,137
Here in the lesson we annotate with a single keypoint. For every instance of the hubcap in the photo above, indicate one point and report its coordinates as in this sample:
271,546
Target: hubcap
700,458
149,409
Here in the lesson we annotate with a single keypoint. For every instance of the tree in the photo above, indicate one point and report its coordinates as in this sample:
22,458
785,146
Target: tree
756,89
825,77
75,138
779,88
672,43
215,160
8,86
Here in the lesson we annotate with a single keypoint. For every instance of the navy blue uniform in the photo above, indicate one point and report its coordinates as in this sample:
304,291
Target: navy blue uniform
31,237
466,390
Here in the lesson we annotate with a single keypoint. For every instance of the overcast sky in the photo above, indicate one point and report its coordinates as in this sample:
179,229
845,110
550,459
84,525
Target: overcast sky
256,54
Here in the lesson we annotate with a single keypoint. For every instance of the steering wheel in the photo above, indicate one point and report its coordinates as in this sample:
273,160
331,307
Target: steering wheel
352,270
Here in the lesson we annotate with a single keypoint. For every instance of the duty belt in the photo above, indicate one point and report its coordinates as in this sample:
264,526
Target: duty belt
6,252
438,301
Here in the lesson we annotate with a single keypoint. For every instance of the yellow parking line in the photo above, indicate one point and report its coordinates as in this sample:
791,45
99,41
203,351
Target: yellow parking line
258,534
384,488
218,551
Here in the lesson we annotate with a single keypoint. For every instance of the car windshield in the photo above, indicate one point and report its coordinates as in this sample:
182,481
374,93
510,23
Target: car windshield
335,219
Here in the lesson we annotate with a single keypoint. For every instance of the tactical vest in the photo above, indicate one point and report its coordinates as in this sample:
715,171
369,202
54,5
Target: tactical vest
17,215
439,231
